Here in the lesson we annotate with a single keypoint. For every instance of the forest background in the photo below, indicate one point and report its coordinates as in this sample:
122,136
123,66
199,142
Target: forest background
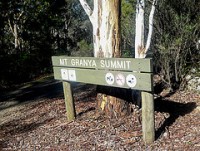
33,31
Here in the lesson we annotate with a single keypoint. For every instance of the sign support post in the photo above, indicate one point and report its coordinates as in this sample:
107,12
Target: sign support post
148,117
69,101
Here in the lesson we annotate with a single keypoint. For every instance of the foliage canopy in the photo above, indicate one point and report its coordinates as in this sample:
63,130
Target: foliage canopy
32,31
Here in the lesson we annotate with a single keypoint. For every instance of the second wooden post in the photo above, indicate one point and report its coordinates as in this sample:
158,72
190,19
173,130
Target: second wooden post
148,119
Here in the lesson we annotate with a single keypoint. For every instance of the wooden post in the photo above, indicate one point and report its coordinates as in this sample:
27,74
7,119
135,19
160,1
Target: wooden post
148,124
69,101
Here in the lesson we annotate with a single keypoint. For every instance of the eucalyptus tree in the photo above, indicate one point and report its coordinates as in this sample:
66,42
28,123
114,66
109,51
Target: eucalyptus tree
106,28
142,48
12,14
105,20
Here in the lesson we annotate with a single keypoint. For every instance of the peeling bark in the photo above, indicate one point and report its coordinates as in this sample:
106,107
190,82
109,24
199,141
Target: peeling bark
105,19
106,30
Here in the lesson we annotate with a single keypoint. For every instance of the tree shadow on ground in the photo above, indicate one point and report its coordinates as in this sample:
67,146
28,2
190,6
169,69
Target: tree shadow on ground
84,92
19,126
19,129
9,131
175,110
15,127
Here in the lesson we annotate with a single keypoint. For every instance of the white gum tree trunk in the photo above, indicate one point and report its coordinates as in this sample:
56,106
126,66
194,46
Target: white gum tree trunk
106,27
15,34
140,48
148,125
14,29
105,19
139,28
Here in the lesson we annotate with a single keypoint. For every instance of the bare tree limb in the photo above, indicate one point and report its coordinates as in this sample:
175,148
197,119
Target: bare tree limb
150,26
12,30
87,8
20,15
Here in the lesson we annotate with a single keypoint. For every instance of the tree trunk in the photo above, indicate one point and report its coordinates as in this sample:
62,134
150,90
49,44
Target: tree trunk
139,29
15,33
140,48
14,29
16,37
141,52
105,19
106,29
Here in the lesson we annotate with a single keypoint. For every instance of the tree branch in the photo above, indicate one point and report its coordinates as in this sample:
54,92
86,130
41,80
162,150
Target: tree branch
20,15
12,30
87,8
150,26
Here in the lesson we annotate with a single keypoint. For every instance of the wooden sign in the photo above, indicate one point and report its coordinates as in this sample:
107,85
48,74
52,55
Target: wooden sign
126,73
117,72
